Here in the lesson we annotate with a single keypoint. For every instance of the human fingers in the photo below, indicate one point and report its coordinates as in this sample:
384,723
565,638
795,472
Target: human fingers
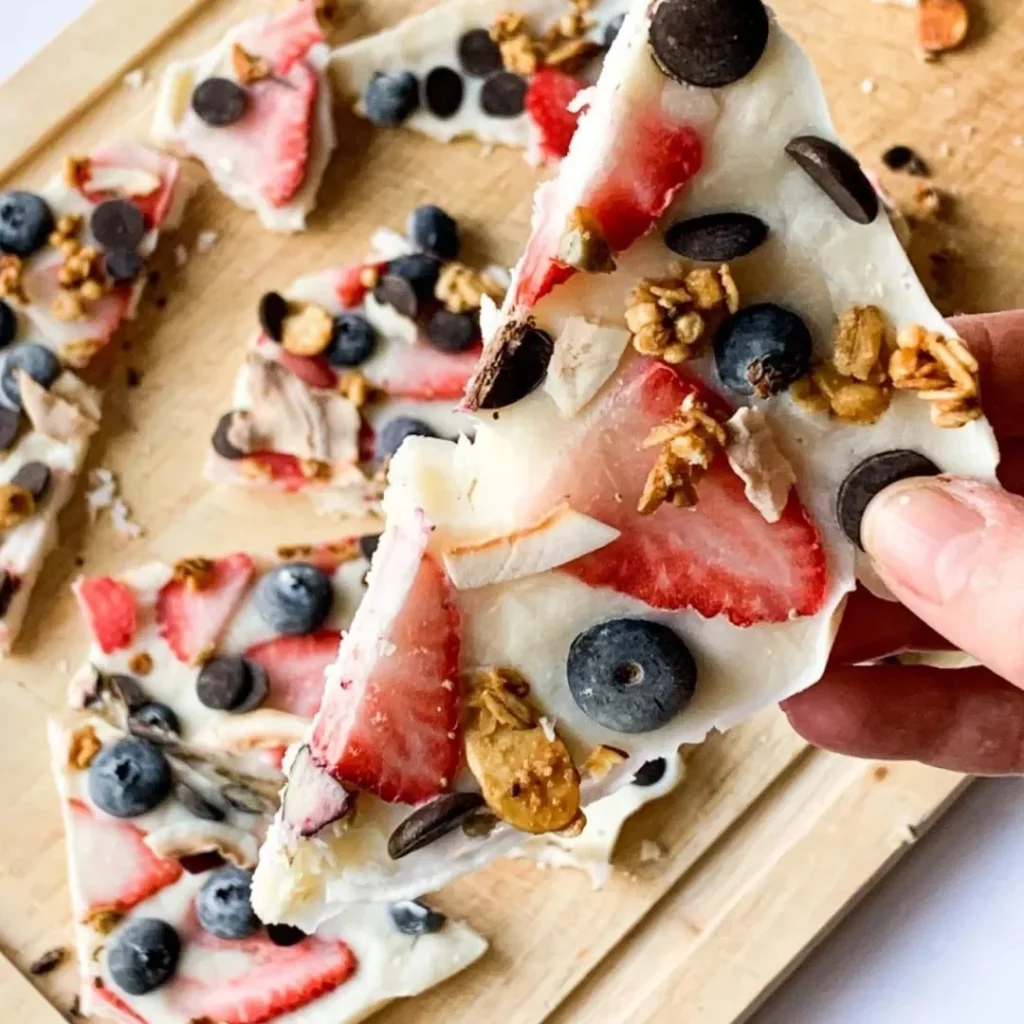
872,628
997,342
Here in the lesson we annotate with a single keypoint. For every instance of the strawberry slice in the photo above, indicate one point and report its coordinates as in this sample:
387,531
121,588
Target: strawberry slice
285,471
133,156
420,370
114,1005
547,102
119,870
295,667
313,371
287,37
191,618
389,721
720,557
108,607
348,282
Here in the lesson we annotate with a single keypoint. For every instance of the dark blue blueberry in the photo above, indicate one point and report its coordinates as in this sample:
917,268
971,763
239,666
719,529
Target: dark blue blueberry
294,597
352,342
612,29
129,778
762,349
391,98
143,955
630,675
155,715
411,917
25,222
39,362
223,905
420,270
650,773
8,324
394,432
434,231
368,545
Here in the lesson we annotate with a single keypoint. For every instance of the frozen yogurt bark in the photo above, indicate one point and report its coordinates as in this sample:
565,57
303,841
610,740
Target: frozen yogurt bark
483,69
348,362
255,110
168,771
72,268
713,353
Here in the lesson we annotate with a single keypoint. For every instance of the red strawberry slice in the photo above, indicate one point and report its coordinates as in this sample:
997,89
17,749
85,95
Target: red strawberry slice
252,980
547,102
124,154
295,667
118,871
284,471
390,725
348,282
108,607
420,371
192,618
720,557
287,37
314,371
115,1006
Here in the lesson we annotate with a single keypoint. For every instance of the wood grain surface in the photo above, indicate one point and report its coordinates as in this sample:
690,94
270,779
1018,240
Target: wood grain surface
768,842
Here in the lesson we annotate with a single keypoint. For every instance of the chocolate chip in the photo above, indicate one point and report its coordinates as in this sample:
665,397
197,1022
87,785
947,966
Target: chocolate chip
9,584
838,175
34,477
49,961
903,158
285,934
503,95
709,43
272,313
200,863
10,420
368,545
219,102
443,91
478,53
127,689
221,440
224,683
516,364
453,332
117,224
716,237
430,822
132,376
398,293
870,477
8,324
124,264
259,687
196,805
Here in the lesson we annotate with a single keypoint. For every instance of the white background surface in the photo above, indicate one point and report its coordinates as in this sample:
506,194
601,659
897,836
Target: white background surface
939,941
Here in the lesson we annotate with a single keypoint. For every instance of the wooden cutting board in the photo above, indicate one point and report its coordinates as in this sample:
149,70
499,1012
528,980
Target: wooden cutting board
768,842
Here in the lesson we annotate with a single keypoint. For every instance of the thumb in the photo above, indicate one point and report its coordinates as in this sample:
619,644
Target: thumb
952,550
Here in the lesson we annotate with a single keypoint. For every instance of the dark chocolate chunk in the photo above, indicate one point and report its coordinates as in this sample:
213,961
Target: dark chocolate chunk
432,821
515,363
503,94
650,772
224,683
903,158
272,313
123,264
197,805
453,332
49,961
398,293
443,92
612,29
368,545
128,690
716,237
838,175
9,584
709,43
871,476
117,224
221,441
285,934
10,419
8,324
34,477
219,102
478,53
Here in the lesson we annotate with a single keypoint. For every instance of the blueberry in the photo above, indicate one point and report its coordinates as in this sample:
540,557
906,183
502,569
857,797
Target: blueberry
411,917
294,597
612,29
434,231
420,270
39,362
143,955
160,717
352,342
630,675
391,98
129,778
394,432
223,904
650,773
762,349
25,222
368,545
8,324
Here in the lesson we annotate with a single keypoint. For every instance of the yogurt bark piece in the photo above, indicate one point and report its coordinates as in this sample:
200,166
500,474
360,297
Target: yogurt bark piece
255,110
168,771
350,361
72,268
713,353
495,72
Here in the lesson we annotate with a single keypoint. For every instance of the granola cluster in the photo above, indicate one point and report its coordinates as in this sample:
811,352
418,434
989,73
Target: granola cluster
248,68
671,317
688,442
461,288
11,285
83,747
195,573
82,277
16,505
941,370
563,45
307,330
355,387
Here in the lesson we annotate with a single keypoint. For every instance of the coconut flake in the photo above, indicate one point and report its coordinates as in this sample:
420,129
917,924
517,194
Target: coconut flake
390,244
755,458
585,355
313,798
125,181
102,493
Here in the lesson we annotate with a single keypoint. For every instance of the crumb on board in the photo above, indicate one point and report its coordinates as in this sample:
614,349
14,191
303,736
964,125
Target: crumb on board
650,851
135,79
103,493
206,240
868,86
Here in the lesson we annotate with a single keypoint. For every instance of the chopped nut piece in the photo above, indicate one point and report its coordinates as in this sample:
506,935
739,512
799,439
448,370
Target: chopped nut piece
850,400
858,341
941,370
67,306
195,573
526,778
519,51
928,203
103,921
78,353
11,286
583,244
355,387
307,331
84,746
66,230
600,761
369,276
461,289
73,168
248,68
571,54
141,664
16,505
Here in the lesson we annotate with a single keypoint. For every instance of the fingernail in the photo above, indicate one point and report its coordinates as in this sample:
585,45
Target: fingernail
923,539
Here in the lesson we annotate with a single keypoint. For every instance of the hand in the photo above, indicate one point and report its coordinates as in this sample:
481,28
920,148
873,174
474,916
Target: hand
952,551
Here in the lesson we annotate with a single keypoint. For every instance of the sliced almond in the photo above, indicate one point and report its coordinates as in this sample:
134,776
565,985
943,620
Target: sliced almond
254,730
185,839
